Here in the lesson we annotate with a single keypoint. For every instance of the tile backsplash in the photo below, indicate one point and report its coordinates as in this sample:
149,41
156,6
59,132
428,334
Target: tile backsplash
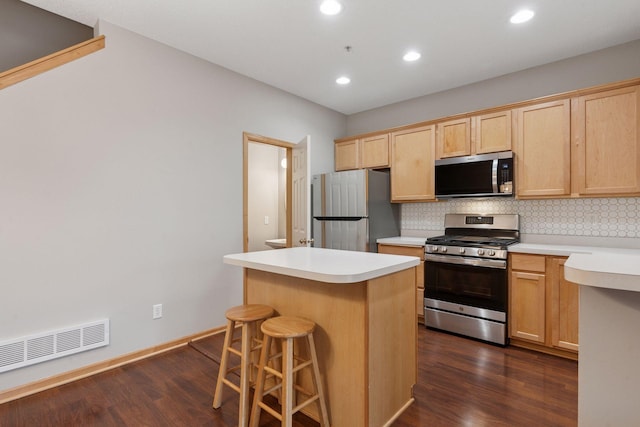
606,217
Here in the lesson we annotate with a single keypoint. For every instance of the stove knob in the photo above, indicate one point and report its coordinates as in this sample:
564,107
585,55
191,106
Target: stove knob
461,250
492,252
434,249
480,252
443,249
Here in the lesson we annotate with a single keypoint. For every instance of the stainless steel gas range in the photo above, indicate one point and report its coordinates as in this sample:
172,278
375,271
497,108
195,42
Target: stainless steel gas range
466,275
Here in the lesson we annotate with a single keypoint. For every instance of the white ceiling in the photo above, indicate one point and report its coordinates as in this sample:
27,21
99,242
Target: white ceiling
290,45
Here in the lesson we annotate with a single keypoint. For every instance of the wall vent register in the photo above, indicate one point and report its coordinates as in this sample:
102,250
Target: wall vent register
36,348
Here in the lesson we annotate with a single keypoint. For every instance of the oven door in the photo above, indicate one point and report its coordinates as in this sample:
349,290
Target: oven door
472,282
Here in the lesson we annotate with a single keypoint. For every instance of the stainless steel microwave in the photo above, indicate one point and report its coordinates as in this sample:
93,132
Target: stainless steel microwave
483,175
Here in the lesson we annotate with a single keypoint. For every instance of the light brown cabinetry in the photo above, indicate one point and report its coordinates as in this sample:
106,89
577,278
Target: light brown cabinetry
527,301
542,146
484,133
580,144
543,306
347,155
565,301
417,251
454,138
491,132
374,151
412,164
362,153
605,130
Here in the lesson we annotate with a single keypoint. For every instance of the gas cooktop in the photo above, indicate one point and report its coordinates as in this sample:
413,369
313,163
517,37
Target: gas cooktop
484,236
473,241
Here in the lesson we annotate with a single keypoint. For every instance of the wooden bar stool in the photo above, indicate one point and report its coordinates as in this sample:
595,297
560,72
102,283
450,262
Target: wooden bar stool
287,329
248,315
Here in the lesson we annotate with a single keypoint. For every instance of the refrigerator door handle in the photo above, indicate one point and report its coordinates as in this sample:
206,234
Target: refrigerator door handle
339,218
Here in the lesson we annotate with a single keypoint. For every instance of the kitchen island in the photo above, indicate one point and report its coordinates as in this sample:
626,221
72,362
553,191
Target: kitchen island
364,307
608,373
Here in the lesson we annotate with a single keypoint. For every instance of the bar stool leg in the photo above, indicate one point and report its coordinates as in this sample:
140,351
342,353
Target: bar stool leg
259,390
228,336
287,382
317,382
243,411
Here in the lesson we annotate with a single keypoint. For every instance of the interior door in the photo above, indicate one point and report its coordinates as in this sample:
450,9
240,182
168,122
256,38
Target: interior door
301,196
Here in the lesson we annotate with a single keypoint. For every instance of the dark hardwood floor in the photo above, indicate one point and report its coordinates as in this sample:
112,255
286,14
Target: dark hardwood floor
461,382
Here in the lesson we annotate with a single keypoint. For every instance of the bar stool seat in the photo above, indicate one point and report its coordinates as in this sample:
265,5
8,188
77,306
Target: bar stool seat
287,329
248,316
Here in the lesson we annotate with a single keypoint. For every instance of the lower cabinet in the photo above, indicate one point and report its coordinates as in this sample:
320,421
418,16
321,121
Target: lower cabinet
417,251
543,306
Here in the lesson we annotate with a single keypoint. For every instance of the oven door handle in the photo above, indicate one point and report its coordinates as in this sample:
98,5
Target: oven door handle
474,262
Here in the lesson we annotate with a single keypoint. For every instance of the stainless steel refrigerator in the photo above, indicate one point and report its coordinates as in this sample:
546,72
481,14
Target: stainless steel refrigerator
352,209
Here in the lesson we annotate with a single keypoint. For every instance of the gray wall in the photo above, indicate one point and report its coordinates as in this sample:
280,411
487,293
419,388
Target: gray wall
121,187
604,66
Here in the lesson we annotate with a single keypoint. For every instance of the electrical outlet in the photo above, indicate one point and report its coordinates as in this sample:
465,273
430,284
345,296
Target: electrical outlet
157,311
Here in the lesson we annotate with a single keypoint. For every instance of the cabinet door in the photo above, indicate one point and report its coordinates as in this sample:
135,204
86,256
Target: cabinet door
417,251
565,301
454,138
374,151
347,155
543,147
606,142
527,308
491,132
412,164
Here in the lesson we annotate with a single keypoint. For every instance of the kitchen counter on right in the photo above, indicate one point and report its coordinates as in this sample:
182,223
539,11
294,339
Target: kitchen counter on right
567,250
608,374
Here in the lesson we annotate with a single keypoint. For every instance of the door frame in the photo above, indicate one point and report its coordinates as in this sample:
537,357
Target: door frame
259,139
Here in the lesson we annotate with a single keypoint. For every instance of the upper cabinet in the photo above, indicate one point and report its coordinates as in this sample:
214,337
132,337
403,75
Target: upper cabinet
362,153
605,130
491,132
542,146
584,143
374,151
347,155
412,164
484,133
454,138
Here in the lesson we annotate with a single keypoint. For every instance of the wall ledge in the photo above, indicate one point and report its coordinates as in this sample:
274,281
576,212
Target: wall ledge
46,63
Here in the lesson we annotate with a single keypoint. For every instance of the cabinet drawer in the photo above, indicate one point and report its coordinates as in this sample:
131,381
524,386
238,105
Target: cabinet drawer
401,250
528,262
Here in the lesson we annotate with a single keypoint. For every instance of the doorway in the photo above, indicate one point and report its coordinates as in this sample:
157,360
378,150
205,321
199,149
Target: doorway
276,199
275,194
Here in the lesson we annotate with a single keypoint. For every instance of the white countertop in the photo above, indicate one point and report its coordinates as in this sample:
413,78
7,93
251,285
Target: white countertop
324,265
613,268
558,250
566,250
403,241
605,267
604,270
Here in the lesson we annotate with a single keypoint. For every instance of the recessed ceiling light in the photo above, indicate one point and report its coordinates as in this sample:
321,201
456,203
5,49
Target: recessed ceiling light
411,56
344,80
330,7
522,16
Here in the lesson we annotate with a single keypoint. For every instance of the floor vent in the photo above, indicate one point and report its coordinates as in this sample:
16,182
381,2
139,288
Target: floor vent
37,348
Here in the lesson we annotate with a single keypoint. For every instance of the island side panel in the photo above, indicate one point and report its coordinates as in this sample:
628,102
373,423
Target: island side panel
339,310
392,344
608,374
